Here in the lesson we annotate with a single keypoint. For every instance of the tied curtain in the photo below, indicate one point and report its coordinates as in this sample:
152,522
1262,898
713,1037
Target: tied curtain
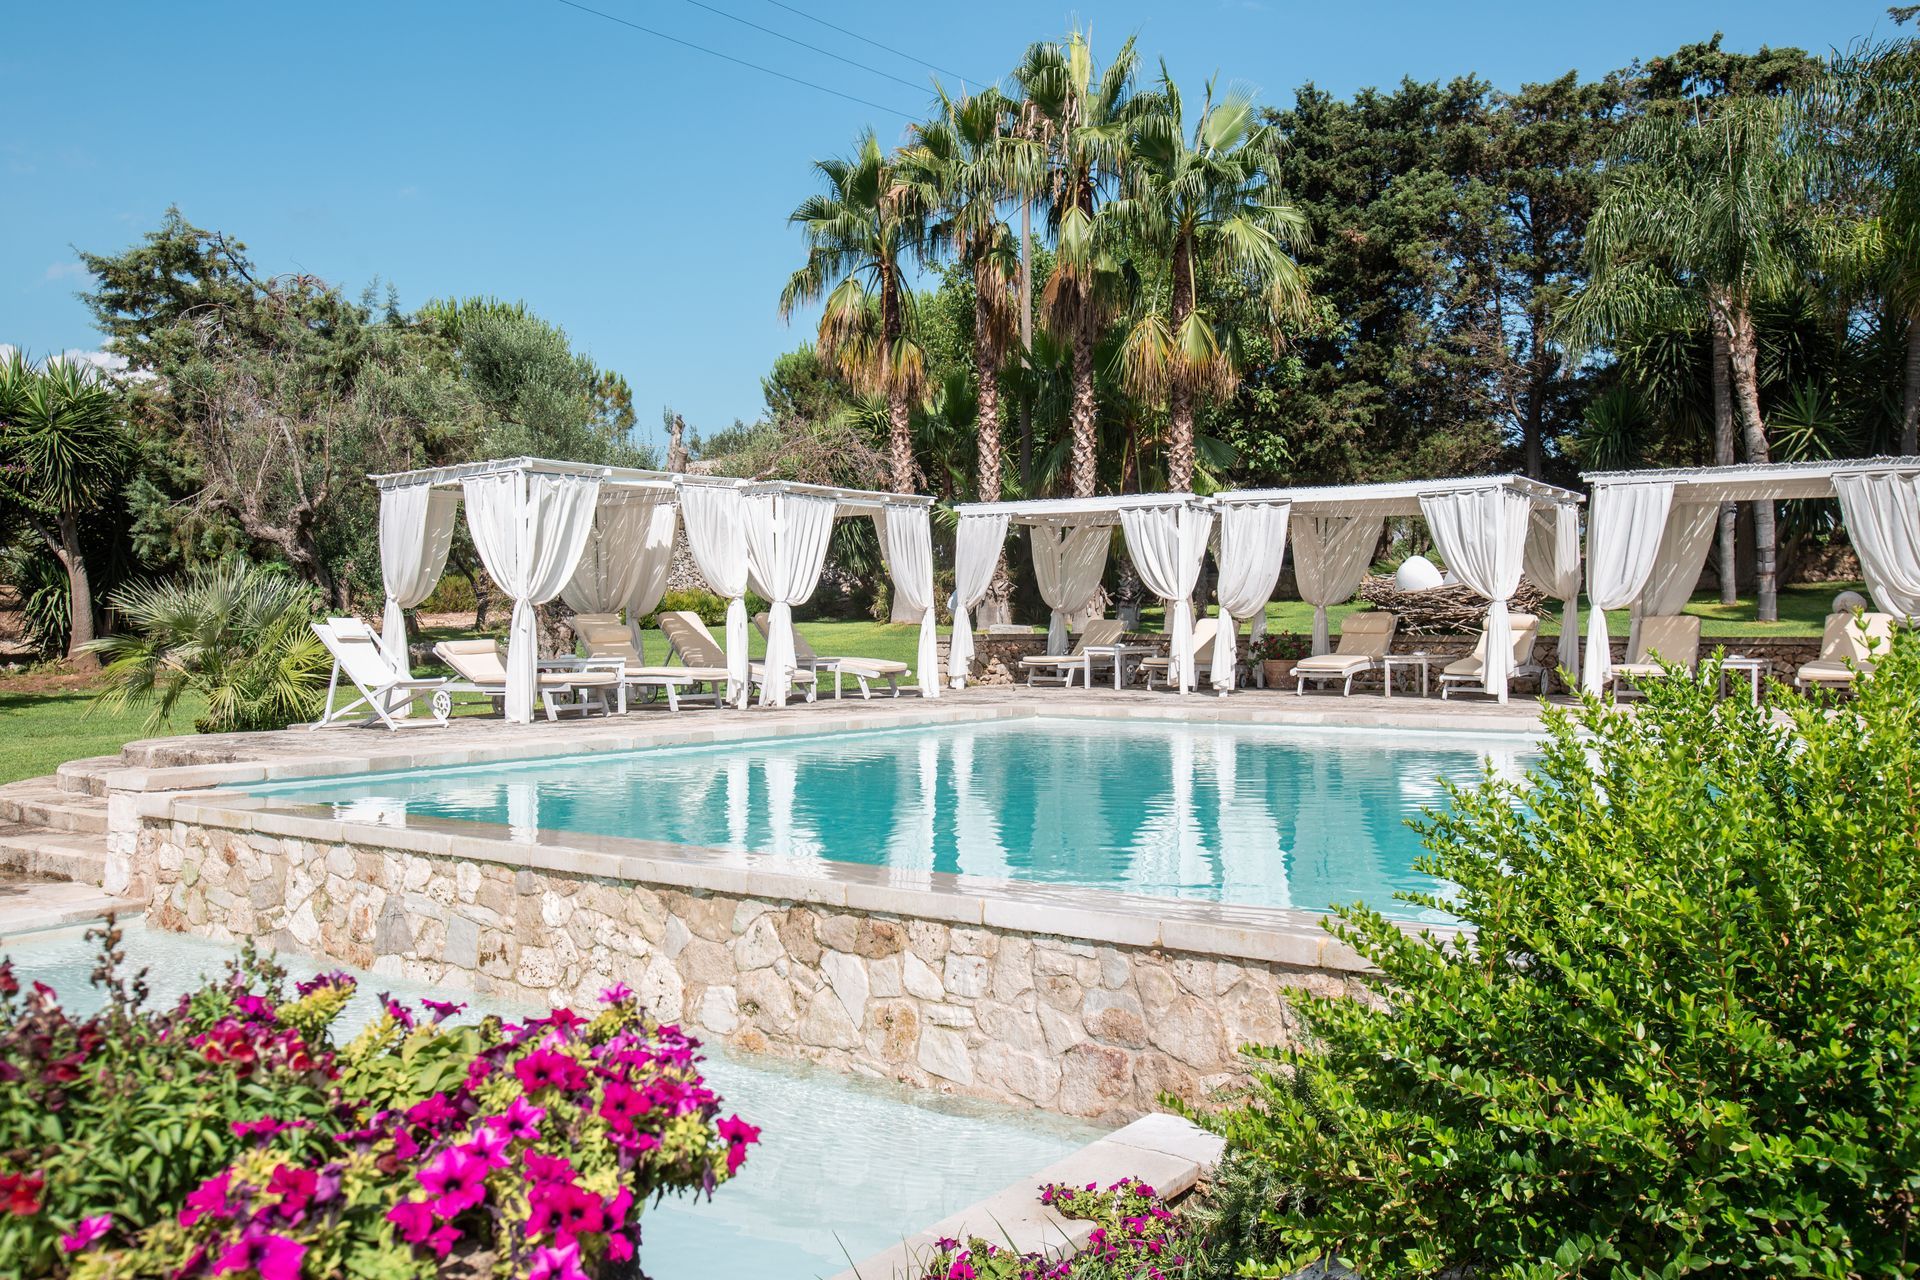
715,517
1624,533
1331,555
1553,562
1482,533
1882,515
787,536
907,534
416,530
529,529
976,552
1684,543
1253,544
1167,545
628,554
1068,563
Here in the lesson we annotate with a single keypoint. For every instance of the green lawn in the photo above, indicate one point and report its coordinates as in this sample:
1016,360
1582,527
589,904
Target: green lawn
46,729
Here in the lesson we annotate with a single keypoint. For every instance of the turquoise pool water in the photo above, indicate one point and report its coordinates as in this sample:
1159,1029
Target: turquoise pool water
1254,815
844,1168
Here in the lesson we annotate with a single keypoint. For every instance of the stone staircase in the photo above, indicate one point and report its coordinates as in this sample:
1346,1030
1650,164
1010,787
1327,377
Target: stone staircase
55,828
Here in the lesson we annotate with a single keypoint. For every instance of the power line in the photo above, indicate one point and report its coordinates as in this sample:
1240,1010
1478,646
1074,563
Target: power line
742,62
781,35
885,48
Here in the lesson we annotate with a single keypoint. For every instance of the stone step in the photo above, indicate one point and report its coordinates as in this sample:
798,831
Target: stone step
53,855
28,907
88,776
39,802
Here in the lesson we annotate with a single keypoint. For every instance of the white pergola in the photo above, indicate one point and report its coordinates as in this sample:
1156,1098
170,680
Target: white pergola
1489,529
1650,531
602,538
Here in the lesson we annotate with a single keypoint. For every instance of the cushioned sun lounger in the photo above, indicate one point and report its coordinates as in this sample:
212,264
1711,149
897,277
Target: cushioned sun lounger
1663,641
1365,639
862,670
482,668
1058,668
612,644
1205,632
696,647
1470,672
1848,647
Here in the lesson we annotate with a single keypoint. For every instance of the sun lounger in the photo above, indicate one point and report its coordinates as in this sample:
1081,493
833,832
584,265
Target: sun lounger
482,668
1848,647
383,686
1470,672
1061,666
862,670
1205,632
696,647
1365,639
1669,640
612,644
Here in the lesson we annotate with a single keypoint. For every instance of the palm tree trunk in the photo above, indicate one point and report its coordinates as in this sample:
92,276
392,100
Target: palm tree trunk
1910,415
1082,466
1180,395
900,424
986,373
1723,456
1744,348
79,595
1026,343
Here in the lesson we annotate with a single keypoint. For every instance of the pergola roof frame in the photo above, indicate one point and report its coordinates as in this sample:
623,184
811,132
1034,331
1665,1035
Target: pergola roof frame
851,501
1100,510
1390,498
1757,481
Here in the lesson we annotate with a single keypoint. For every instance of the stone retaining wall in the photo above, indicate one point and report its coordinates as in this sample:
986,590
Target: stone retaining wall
1073,1026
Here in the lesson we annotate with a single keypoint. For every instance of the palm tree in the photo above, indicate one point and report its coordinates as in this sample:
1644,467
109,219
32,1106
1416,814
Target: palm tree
1083,121
858,232
63,447
1206,203
1713,204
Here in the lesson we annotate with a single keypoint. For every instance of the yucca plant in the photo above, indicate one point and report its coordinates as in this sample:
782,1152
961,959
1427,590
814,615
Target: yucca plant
238,635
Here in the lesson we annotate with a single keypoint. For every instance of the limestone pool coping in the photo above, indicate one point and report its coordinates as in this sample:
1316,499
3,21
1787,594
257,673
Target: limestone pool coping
1287,936
1167,1153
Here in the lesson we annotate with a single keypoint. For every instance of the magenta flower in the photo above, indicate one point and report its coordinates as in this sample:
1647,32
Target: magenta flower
295,1187
543,1168
209,1198
89,1230
265,1127
397,1011
565,1211
271,1257
489,1146
557,1262
619,1248
618,993
961,1269
521,1123
738,1134
622,1105
443,1239
433,1113
442,1009
413,1219
456,1180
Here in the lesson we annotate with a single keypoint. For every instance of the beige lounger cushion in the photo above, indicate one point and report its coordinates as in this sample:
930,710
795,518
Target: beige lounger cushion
1332,664
1526,630
1827,671
880,668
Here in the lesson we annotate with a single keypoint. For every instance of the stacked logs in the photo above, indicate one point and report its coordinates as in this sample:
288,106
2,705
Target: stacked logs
1443,610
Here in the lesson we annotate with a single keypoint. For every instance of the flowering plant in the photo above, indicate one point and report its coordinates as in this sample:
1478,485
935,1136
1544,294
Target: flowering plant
1135,1237
521,1150
1280,646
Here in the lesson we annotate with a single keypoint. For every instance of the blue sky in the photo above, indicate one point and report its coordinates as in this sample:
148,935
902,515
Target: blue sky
632,190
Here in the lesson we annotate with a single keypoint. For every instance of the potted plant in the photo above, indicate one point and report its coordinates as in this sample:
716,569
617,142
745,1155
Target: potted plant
1276,652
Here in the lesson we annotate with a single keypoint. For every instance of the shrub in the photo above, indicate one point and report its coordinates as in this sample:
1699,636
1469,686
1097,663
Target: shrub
230,1135
1280,646
1135,1237
1679,1040
711,608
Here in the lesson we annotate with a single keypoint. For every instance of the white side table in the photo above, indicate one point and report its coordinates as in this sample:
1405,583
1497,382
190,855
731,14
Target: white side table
1406,661
1118,654
1754,667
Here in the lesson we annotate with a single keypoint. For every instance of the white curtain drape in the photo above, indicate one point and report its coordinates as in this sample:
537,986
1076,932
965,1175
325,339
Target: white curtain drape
1684,543
1482,533
1624,532
1253,545
1067,564
1882,515
416,529
716,535
628,554
976,550
1167,545
1331,554
1553,562
907,534
529,529
787,537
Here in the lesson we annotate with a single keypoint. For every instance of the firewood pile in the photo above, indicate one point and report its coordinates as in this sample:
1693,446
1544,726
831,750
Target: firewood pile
1443,610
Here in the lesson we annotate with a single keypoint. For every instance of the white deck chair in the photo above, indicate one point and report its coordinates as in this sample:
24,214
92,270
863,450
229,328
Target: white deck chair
1848,647
1205,632
1097,632
695,646
483,669
1365,639
1470,672
612,643
1671,639
862,670
383,687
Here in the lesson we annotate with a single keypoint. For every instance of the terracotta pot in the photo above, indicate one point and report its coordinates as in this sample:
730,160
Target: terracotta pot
1277,670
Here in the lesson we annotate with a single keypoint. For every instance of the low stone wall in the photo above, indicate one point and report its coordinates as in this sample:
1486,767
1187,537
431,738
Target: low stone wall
1074,1025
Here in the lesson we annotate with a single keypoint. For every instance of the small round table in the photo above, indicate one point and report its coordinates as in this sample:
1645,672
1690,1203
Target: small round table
1754,667
1422,660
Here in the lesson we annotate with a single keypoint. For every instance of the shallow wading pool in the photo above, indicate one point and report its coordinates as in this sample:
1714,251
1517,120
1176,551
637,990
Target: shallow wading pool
1250,815
843,1170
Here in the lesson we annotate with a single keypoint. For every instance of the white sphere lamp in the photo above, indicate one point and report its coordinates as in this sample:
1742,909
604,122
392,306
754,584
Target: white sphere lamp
1416,573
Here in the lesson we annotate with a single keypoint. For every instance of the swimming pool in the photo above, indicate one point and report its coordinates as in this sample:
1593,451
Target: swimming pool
1251,815
844,1168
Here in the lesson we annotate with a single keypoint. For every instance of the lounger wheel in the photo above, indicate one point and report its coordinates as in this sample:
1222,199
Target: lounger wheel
442,704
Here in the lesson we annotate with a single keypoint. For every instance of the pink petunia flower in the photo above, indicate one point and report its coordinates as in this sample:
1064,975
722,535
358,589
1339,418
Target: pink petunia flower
456,1180
738,1134
546,1069
618,993
413,1219
272,1257
209,1198
521,1121
622,1105
557,1262
489,1146
432,1113
295,1187
84,1235
443,1239
565,1212
544,1168
442,1009
619,1248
